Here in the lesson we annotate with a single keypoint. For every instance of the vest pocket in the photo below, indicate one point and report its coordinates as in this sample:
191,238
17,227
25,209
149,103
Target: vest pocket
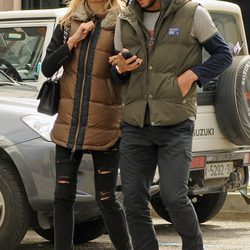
177,89
111,91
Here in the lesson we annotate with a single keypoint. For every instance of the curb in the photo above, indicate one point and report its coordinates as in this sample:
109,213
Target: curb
235,202
234,207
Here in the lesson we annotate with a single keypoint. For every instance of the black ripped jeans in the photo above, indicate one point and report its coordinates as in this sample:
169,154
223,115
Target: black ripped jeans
106,168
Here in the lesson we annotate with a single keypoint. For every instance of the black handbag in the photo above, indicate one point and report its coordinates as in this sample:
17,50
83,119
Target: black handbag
49,96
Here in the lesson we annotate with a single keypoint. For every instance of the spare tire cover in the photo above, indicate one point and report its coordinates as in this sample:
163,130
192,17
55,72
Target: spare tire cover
233,101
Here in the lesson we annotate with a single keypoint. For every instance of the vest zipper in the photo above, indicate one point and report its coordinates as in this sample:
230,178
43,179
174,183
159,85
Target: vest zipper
81,100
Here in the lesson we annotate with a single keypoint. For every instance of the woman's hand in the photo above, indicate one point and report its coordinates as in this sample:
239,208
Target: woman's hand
80,34
186,81
124,65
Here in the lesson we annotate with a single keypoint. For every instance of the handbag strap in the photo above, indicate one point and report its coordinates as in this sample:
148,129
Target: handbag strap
66,30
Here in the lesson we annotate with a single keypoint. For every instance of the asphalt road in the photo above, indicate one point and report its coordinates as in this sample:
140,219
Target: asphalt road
218,234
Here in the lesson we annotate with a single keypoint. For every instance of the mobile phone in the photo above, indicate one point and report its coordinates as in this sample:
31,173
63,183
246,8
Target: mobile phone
126,55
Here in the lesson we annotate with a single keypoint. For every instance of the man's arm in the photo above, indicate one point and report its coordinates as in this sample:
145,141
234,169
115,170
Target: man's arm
220,59
204,30
206,33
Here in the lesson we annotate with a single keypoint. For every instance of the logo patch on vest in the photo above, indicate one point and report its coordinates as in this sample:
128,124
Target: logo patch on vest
174,31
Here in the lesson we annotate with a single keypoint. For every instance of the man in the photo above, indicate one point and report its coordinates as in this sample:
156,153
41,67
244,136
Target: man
165,38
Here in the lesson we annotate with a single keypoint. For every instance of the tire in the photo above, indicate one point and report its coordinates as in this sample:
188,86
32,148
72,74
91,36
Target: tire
206,206
233,101
15,212
84,231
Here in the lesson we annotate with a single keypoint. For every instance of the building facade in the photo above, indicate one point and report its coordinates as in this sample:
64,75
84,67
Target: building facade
245,9
30,4
10,5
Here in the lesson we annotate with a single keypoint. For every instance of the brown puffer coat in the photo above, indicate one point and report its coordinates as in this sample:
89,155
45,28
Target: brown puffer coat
89,109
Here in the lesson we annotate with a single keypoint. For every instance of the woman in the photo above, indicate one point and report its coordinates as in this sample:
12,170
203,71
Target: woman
88,116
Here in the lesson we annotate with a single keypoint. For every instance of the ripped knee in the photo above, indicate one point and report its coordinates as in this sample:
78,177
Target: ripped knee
103,171
104,196
107,201
65,190
64,180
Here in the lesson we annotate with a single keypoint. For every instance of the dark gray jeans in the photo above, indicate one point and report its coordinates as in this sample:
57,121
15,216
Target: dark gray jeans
106,168
169,147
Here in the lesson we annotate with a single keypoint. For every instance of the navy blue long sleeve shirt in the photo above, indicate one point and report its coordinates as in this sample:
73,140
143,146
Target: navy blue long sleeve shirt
220,58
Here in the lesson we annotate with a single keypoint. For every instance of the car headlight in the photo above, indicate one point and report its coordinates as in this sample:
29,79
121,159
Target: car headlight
41,124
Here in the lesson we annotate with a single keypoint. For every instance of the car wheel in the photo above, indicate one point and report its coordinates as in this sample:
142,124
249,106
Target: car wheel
15,213
206,205
232,101
84,231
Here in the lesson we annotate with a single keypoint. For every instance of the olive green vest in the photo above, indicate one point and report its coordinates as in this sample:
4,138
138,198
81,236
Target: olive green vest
154,83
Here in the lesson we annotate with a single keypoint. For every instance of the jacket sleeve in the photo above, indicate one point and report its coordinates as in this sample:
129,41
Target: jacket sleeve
57,53
220,59
117,78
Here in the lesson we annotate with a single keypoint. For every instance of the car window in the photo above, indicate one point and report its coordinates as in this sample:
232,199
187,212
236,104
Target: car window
228,28
21,51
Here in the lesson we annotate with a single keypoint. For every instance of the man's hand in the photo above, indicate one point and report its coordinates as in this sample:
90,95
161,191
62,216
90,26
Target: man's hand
124,65
80,34
186,81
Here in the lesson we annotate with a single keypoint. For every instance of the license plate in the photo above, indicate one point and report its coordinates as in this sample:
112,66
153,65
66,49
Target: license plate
218,169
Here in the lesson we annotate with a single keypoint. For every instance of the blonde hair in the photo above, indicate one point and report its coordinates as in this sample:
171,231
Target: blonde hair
110,5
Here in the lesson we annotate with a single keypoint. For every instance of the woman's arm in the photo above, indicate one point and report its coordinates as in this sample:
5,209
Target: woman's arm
57,53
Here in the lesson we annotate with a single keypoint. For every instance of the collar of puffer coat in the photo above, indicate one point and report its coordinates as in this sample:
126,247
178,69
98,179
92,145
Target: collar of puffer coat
108,22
